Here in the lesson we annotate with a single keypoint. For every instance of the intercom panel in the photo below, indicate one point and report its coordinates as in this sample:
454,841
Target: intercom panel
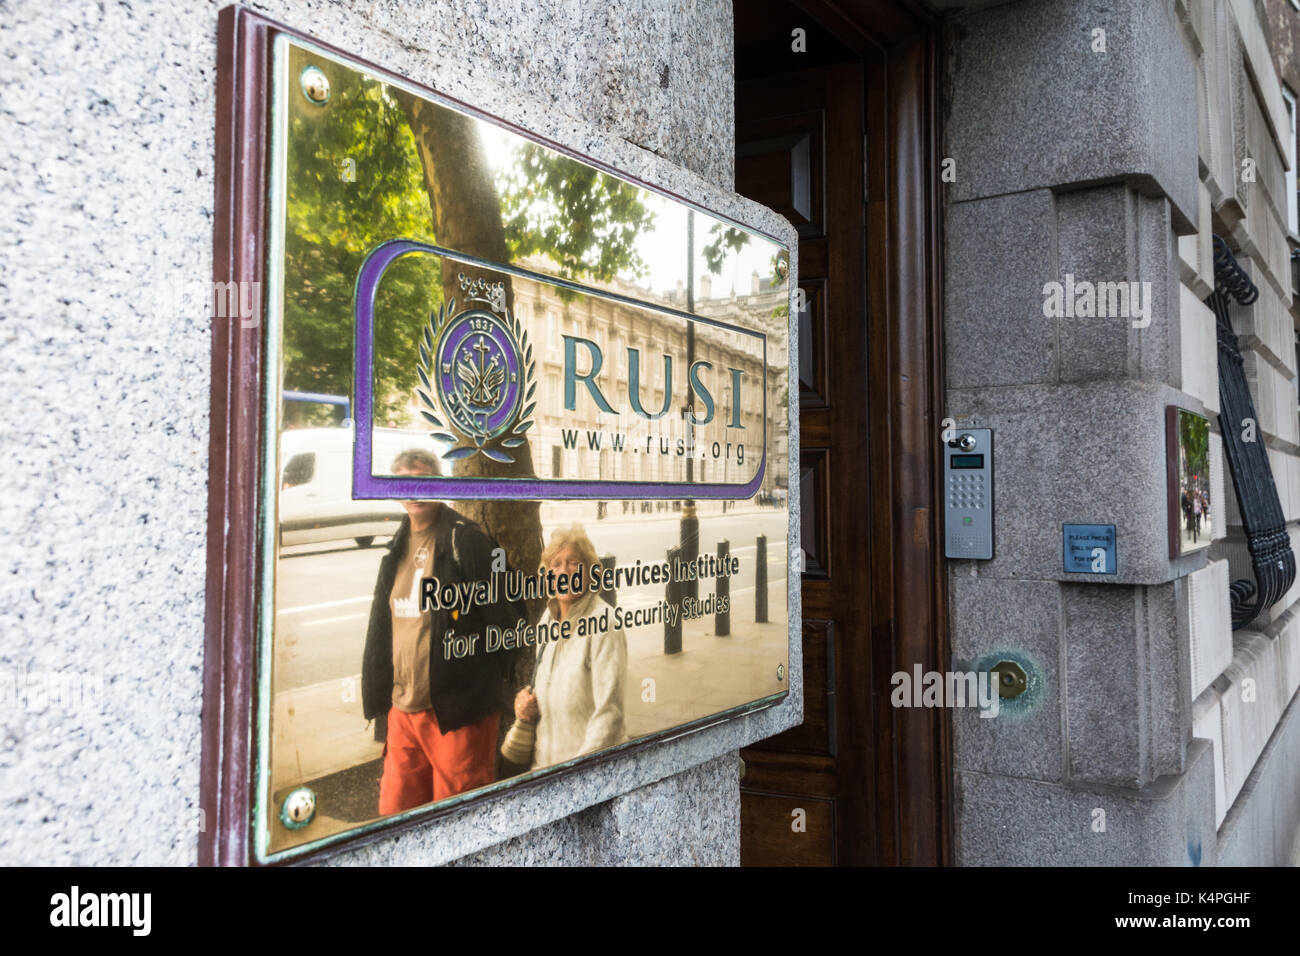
968,494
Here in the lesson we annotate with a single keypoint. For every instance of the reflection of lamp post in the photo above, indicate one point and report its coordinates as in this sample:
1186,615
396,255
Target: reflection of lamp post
690,523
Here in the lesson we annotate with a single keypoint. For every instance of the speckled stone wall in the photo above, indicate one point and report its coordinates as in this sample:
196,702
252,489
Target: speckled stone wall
1134,735
106,151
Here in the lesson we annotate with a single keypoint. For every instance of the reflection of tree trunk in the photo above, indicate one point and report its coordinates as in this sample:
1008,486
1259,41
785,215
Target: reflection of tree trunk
467,218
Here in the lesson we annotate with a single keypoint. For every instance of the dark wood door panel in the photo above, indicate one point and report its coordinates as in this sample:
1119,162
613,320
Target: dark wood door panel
871,388
814,505
810,767
814,258
819,732
816,431
787,830
781,158
783,770
814,389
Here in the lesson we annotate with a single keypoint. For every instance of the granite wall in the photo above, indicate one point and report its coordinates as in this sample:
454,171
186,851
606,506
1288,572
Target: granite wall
1105,141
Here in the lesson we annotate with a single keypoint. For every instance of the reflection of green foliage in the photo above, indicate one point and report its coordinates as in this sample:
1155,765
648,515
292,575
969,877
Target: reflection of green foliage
1194,436
776,267
724,237
586,221
783,309
333,223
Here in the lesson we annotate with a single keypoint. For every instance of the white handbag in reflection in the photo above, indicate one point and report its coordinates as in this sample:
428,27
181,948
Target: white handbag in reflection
520,739
518,745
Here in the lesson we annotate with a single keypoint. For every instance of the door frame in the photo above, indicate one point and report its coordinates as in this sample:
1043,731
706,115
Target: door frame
899,42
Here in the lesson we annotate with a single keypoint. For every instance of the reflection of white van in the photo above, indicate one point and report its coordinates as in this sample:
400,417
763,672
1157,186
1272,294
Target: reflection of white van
316,502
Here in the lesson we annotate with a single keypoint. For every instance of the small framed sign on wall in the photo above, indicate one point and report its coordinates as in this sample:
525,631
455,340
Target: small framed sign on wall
1192,508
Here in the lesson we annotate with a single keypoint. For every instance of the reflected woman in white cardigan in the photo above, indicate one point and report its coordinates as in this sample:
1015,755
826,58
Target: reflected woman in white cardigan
577,693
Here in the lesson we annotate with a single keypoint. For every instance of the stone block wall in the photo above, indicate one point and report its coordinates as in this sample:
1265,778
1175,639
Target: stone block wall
1116,158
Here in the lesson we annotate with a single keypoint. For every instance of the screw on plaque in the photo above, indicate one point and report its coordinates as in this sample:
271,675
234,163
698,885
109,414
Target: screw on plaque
783,264
780,672
299,808
1012,680
315,85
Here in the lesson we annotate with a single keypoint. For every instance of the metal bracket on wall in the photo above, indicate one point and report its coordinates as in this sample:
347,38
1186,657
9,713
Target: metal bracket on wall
1252,475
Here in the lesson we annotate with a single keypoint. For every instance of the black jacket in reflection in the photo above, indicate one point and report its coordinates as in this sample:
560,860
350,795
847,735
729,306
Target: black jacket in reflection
463,690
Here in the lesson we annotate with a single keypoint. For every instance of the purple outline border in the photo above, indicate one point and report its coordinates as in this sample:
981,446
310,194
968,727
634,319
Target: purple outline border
367,486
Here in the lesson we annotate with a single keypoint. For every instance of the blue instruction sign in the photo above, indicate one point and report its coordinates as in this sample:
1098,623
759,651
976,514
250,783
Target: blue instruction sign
1089,548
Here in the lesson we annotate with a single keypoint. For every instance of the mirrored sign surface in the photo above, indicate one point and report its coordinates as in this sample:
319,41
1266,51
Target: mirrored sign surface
1193,510
526,480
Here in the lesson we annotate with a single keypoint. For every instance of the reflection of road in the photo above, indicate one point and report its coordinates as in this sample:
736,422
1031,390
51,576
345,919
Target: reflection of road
324,591
323,603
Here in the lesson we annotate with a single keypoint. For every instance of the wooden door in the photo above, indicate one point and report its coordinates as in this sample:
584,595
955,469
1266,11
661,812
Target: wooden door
807,795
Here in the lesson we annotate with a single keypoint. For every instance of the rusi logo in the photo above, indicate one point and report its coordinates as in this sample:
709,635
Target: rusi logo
1085,300
480,366
102,909
946,689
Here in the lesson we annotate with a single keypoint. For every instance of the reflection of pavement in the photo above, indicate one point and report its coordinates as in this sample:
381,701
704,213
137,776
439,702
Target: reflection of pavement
319,730
1201,540
710,674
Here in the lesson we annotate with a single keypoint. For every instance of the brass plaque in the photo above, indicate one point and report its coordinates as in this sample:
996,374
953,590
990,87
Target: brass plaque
526,483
